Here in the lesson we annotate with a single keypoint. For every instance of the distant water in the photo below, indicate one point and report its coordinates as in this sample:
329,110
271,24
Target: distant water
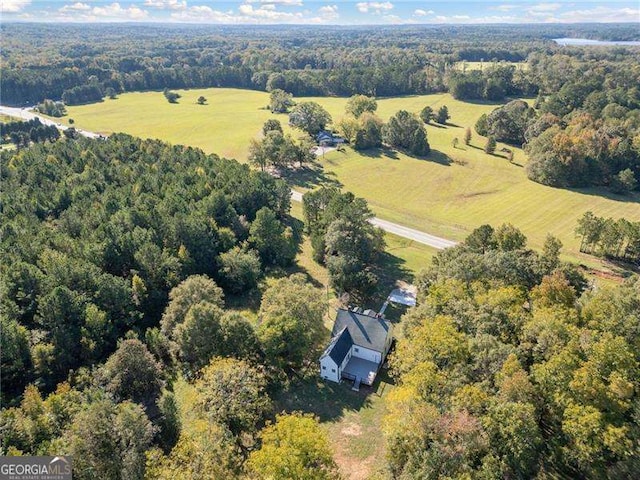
586,41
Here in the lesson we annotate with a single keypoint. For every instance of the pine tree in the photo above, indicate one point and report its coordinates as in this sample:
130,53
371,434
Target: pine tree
467,136
490,146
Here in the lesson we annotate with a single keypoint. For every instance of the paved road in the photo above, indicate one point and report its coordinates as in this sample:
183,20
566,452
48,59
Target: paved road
405,232
25,114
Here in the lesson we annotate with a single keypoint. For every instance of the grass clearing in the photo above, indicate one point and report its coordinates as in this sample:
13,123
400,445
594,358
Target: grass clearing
353,421
449,193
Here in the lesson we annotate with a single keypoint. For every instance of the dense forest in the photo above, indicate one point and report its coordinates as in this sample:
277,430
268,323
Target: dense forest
96,234
82,66
509,368
118,256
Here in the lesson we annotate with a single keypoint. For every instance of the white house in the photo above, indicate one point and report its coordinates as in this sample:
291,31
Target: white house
359,344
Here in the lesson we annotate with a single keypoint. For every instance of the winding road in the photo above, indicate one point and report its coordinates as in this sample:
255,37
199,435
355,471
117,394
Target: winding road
26,114
399,230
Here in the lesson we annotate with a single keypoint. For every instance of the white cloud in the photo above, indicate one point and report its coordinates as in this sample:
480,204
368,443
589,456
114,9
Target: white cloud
545,7
328,9
246,14
268,12
169,4
13,6
202,13
598,14
423,13
498,19
76,7
504,8
375,7
278,2
116,12
329,12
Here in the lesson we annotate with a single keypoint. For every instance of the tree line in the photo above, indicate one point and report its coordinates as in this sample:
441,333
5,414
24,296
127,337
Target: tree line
21,134
578,132
110,59
618,239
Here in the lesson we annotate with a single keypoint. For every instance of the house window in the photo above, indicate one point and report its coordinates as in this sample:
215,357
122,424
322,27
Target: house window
333,370
324,367
356,349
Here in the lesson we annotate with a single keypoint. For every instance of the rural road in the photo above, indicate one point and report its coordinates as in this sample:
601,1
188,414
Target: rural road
399,230
24,114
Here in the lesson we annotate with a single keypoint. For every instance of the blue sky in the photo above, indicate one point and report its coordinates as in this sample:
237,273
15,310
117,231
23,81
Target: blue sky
321,12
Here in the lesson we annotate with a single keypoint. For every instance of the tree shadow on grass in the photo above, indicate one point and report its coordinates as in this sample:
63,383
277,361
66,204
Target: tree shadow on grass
438,157
328,400
389,269
603,192
380,152
244,301
497,103
310,176
434,155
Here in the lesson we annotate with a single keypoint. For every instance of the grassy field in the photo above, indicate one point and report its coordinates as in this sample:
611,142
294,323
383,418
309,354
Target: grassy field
449,193
353,421
223,126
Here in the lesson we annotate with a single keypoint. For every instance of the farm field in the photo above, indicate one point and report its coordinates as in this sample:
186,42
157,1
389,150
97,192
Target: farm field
449,193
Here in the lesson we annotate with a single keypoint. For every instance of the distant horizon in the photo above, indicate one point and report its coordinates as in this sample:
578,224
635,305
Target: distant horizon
311,25
316,12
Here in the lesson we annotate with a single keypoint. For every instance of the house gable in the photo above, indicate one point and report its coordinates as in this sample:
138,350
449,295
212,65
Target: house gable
368,331
339,347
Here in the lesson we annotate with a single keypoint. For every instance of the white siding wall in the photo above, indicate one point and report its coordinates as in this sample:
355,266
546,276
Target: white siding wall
366,354
387,344
329,370
347,357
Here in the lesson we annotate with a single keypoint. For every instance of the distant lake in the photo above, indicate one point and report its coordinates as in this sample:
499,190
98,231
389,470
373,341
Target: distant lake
586,41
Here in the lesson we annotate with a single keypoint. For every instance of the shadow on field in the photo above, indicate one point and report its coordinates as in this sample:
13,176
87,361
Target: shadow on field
379,152
327,400
438,157
389,270
311,176
497,103
605,193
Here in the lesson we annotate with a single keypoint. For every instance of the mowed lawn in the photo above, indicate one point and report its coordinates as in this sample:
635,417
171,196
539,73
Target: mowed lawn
449,193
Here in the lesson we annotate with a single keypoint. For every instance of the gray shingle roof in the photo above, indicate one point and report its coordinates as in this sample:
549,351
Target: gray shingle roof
339,346
366,331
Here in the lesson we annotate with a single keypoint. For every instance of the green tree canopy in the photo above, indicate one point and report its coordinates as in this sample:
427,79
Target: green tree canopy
232,393
295,446
132,373
309,117
359,104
